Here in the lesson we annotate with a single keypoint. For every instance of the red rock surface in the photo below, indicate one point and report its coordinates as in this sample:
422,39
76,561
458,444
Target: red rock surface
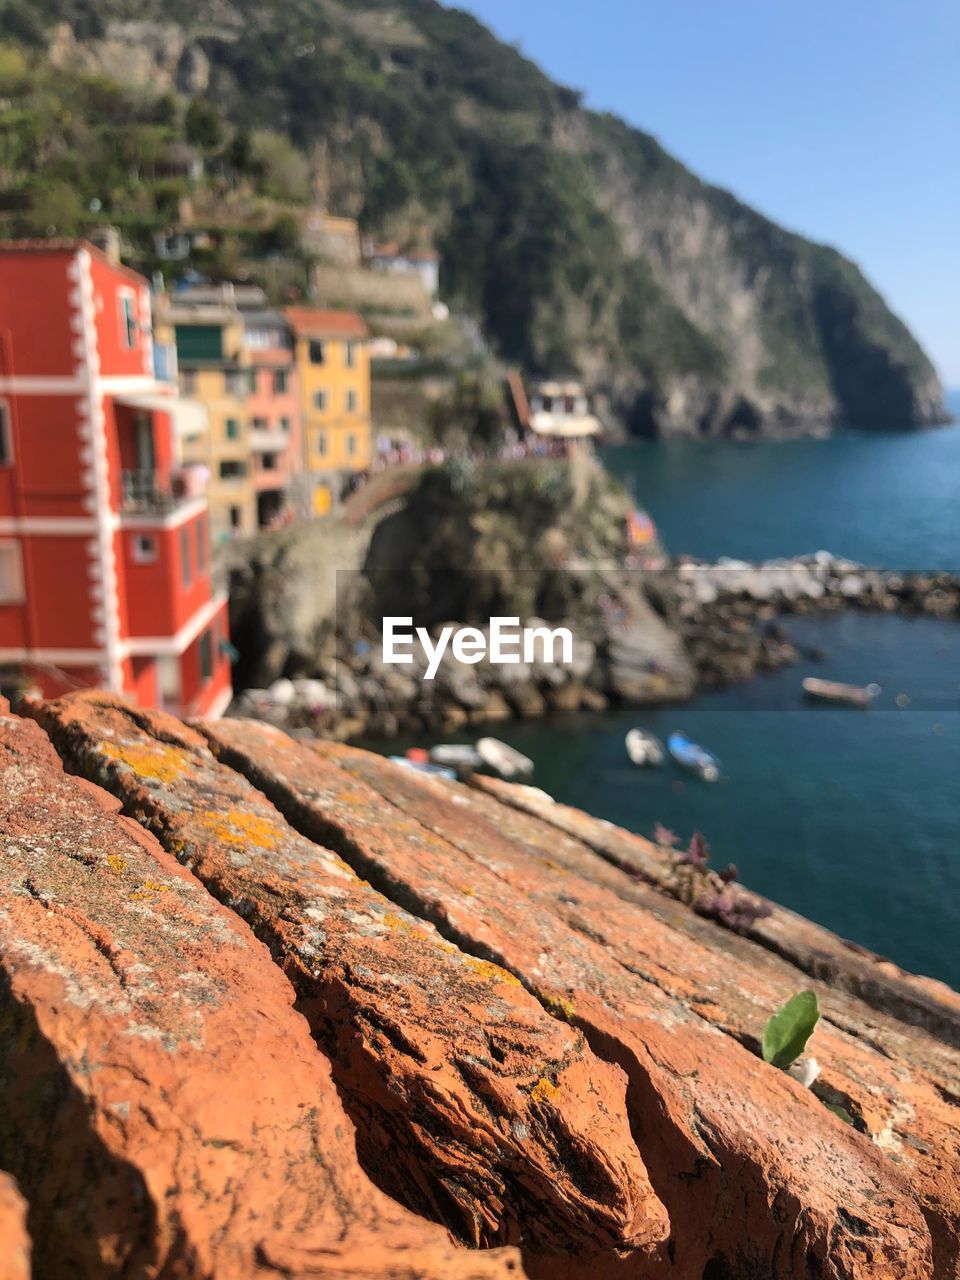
473,1104
918,1001
477,1099
728,1141
14,1240
163,1107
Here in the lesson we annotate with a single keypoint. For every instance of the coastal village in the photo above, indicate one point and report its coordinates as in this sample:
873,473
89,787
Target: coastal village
144,427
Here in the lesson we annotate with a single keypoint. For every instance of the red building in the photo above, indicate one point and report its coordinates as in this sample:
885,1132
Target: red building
105,572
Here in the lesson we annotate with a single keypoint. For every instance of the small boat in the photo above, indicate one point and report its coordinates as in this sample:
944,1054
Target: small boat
457,755
690,755
424,766
643,748
506,761
847,695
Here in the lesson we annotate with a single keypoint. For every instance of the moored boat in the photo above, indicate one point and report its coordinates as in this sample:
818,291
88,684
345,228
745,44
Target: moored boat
847,695
424,766
457,755
690,755
643,748
503,759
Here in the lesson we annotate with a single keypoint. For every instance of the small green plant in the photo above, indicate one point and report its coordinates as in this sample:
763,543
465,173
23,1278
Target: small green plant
786,1034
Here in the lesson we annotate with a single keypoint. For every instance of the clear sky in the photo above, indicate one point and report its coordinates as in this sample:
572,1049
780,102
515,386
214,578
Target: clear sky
837,118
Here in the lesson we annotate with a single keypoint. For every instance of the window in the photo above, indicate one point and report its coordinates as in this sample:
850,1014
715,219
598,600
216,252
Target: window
128,319
6,436
351,402
268,461
237,383
317,351
186,570
206,656
201,536
351,445
280,382
233,429
351,354
260,424
320,400
144,548
321,444
11,573
284,424
232,469
188,382
168,677
236,517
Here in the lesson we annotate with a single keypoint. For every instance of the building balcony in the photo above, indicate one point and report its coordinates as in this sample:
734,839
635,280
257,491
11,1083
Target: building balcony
152,493
269,440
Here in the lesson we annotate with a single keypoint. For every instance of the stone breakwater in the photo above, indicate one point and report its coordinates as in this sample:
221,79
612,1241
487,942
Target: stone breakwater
733,616
692,625
277,1008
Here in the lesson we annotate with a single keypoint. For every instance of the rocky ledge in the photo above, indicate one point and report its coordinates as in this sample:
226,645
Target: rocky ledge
279,1008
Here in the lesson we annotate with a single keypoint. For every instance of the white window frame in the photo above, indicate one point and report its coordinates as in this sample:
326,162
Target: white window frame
138,553
129,327
11,554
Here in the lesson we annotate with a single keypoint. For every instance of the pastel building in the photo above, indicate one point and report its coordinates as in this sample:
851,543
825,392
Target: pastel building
105,566
214,368
273,409
332,359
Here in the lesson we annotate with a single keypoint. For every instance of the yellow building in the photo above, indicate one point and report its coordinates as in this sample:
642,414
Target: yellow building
332,359
215,369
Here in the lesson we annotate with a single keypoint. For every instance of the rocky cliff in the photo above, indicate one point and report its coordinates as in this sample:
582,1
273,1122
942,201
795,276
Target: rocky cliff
576,239
277,1008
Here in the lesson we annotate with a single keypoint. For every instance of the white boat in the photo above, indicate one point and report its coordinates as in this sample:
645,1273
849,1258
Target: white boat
692,756
505,760
644,748
847,695
424,766
457,755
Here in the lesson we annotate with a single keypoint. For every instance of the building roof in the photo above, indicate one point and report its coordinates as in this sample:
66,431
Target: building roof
68,244
312,322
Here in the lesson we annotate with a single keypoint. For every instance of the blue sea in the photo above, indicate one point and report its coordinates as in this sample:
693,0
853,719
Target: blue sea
850,817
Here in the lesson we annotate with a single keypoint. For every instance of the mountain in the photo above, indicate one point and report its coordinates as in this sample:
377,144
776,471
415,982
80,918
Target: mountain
576,240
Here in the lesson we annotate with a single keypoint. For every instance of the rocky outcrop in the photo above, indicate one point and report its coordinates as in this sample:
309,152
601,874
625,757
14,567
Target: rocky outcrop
519,1029
468,1097
163,1106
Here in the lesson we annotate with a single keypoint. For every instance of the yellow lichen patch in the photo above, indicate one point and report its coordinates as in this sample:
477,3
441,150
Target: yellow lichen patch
543,1090
237,827
393,921
561,1006
156,886
156,763
468,892
116,863
550,864
486,969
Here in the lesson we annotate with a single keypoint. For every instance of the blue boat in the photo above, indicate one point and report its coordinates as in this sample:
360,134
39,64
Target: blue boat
690,755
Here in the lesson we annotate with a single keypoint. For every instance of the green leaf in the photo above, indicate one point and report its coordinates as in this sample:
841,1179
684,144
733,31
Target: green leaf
786,1034
842,1112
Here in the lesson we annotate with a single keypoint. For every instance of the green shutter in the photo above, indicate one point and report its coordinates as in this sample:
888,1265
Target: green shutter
199,342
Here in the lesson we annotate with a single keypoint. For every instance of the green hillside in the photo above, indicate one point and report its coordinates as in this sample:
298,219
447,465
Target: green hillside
577,241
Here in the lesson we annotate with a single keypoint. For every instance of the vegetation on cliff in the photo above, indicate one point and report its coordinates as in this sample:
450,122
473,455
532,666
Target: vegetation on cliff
576,240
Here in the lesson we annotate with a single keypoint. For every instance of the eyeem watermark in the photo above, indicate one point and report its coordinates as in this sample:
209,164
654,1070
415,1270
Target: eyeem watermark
505,642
